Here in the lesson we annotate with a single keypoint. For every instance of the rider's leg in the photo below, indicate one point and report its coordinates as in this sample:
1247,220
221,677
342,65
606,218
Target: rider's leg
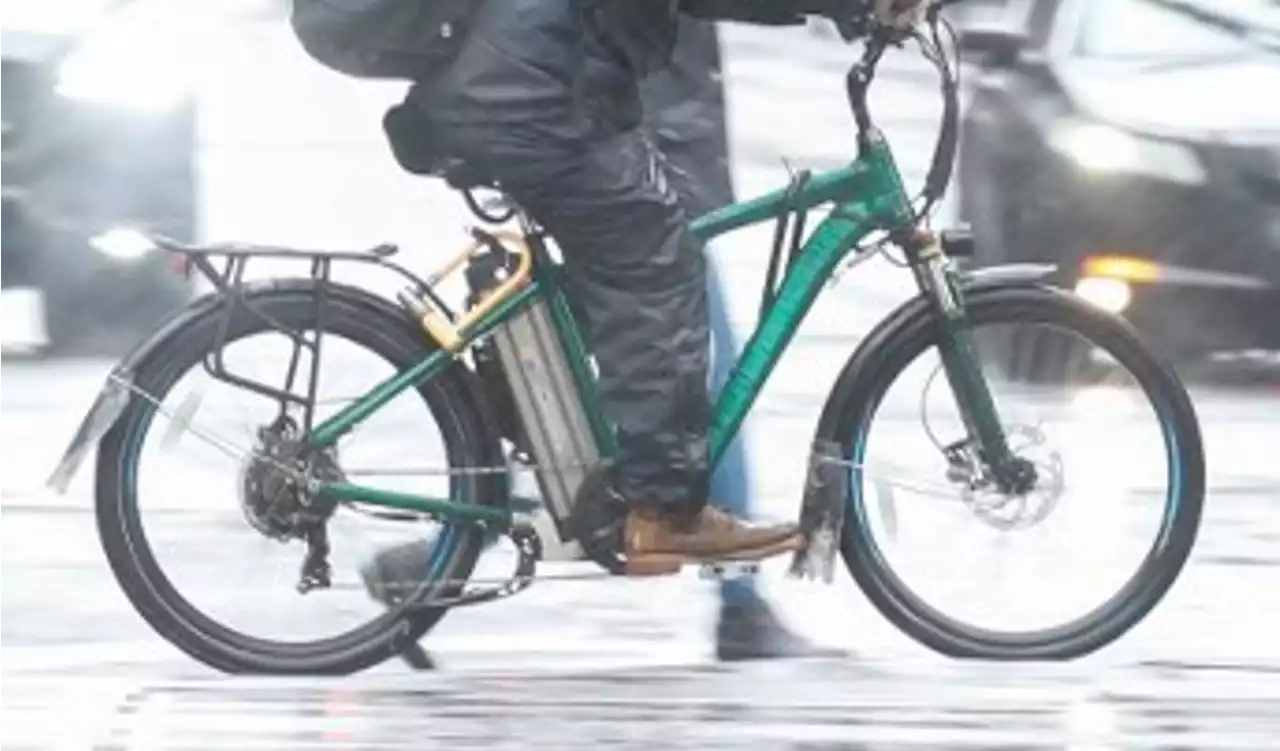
684,110
645,302
684,107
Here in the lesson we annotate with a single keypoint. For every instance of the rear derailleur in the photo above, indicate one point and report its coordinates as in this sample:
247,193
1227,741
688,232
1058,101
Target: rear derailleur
276,499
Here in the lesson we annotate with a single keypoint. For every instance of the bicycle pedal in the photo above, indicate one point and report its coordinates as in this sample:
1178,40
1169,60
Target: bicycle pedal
728,569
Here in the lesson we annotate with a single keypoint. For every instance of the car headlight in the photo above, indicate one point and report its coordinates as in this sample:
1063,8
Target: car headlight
1112,295
1105,149
146,56
122,244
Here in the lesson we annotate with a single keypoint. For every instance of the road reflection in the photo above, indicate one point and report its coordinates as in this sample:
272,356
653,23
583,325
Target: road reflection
803,706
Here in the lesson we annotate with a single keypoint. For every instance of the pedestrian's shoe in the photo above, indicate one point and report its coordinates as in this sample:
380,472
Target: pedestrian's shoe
391,574
397,571
659,541
749,630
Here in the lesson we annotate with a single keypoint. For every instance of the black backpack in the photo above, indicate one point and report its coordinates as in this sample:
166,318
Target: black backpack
408,39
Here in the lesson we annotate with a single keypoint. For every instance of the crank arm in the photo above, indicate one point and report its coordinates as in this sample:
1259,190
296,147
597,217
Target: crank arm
528,551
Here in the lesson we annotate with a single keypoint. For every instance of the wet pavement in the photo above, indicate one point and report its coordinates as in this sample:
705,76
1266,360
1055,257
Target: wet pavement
826,706
621,665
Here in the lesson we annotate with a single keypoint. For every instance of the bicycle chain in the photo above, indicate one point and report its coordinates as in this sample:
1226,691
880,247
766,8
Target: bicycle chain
490,589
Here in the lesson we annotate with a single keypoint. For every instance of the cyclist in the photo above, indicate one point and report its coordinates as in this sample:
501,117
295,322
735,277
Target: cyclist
543,96
684,112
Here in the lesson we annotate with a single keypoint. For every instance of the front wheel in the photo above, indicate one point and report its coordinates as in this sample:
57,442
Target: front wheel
943,599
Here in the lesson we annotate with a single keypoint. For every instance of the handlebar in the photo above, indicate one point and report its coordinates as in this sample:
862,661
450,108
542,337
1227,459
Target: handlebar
879,37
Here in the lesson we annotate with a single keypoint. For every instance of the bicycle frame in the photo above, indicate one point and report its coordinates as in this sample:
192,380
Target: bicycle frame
868,195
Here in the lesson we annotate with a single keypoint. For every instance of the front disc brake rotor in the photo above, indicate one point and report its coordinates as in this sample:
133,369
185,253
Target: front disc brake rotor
1007,511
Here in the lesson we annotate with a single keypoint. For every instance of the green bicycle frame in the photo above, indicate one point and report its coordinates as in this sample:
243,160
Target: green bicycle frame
868,195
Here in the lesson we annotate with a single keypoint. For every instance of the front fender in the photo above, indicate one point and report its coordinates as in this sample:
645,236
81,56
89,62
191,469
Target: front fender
1005,274
851,385
910,312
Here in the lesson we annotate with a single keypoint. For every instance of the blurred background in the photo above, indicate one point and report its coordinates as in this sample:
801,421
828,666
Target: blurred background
1135,143
1145,163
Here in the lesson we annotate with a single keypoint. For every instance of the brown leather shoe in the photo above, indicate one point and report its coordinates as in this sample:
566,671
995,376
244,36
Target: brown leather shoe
659,542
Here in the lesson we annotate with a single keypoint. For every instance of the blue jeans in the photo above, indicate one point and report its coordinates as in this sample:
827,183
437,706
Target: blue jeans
730,483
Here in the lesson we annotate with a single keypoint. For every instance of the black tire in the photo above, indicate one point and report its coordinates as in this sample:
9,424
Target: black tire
853,404
465,424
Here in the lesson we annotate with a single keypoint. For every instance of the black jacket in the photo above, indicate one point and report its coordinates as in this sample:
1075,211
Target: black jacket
645,30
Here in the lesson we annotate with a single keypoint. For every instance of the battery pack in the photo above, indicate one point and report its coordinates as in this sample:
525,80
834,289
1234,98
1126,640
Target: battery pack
549,407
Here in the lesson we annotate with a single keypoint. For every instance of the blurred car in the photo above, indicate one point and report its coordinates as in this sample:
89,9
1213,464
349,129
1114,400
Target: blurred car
1136,143
99,135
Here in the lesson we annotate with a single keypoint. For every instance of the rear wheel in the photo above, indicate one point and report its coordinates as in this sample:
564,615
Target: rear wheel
208,629
1102,438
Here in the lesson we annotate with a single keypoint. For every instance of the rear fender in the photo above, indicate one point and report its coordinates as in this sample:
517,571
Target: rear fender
119,389
116,391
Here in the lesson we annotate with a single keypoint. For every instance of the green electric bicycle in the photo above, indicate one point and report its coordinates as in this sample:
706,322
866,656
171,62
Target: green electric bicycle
509,380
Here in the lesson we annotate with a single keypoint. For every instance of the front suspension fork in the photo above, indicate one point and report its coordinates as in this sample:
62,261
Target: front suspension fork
937,280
